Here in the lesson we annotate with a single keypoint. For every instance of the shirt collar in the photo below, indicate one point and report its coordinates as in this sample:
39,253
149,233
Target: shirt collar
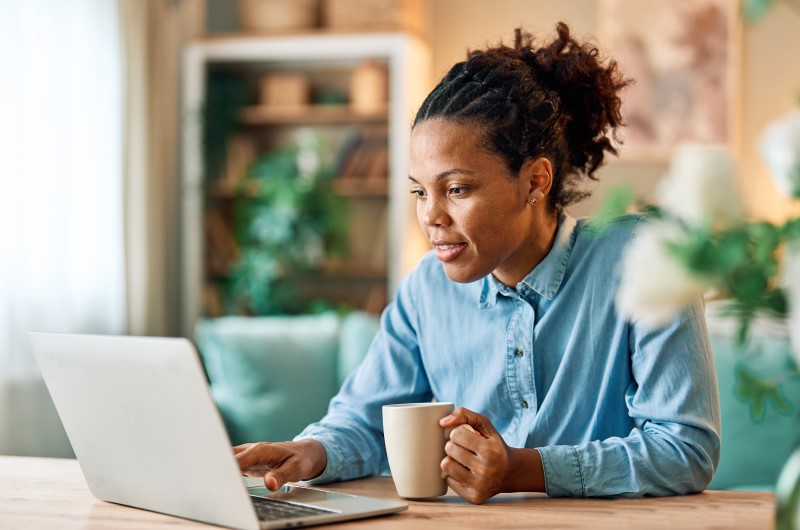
546,277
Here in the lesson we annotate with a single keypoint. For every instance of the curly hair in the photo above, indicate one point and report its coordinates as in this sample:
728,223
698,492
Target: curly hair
558,101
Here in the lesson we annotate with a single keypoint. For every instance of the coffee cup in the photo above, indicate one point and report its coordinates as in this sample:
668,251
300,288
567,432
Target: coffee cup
415,447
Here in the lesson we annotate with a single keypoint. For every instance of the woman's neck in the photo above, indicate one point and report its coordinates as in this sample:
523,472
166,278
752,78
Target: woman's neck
538,244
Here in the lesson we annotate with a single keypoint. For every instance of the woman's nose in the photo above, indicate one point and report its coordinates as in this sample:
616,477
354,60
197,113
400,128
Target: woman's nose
434,213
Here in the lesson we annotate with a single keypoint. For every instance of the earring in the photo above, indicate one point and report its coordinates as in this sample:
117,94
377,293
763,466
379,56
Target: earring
533,201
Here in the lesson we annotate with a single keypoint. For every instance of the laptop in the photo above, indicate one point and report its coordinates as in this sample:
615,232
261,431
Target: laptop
147,434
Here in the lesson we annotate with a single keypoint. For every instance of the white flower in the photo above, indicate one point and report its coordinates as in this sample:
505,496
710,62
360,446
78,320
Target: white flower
655,286
699,187
780,147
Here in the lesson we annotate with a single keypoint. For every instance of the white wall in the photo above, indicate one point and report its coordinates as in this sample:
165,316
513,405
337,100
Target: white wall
770,89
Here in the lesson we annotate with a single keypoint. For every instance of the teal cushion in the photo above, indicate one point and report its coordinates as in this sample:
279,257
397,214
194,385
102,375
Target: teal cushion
270,376
357,332
753,452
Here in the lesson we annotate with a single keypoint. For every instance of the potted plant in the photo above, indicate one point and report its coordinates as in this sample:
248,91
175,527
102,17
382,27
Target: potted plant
287,221
698,242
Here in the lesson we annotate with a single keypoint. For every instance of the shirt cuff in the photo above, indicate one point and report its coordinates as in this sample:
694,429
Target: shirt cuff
332,471
563,475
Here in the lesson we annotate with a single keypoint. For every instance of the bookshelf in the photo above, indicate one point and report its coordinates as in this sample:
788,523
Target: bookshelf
369,157
312,115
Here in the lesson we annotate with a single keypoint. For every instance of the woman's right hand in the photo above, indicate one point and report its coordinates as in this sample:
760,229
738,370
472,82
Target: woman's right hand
282,462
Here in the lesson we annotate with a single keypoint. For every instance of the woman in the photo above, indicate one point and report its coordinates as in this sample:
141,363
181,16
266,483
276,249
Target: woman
512,314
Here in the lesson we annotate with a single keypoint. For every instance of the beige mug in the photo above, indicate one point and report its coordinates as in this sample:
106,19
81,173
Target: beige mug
415,447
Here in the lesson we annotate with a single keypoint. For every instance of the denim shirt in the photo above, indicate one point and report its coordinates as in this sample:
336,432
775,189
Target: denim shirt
614,406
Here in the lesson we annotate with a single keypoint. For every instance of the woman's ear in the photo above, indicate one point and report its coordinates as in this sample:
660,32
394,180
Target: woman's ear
538,176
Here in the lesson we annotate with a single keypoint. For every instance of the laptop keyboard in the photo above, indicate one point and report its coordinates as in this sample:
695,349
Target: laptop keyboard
272,510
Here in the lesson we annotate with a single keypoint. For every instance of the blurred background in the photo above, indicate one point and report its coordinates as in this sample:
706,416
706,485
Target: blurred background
235,171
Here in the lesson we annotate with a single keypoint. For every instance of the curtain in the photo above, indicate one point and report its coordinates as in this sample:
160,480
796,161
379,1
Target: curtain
89,135
61,204
153,34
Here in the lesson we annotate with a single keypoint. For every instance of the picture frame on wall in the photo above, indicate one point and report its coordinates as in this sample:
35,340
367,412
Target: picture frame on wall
683,58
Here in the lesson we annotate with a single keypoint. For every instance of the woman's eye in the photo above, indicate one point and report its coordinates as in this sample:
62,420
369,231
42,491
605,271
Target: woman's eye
456,190
418,192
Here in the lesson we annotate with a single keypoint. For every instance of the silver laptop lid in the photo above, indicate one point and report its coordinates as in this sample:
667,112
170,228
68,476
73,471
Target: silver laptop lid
143,425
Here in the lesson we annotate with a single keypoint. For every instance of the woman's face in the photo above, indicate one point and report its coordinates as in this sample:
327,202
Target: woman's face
474,213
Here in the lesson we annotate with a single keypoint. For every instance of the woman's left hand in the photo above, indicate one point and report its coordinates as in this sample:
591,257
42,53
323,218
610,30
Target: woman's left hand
479,464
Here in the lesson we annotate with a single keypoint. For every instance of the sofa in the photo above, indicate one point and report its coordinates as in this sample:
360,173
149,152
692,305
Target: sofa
754,449
272,376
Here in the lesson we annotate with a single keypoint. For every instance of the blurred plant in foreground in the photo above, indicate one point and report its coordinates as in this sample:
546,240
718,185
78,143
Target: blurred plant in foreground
697,242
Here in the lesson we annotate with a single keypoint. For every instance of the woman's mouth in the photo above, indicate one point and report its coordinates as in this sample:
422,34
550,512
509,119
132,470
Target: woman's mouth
448,252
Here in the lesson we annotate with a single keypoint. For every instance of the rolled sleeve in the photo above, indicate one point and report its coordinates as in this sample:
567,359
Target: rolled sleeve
563,474
674,445
335,459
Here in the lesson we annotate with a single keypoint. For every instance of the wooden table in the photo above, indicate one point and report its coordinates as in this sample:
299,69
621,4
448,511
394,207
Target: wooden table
42,493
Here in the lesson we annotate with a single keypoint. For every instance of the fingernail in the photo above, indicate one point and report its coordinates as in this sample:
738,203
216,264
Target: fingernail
446,418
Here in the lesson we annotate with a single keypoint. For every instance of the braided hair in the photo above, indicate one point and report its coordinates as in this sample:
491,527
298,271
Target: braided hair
557,101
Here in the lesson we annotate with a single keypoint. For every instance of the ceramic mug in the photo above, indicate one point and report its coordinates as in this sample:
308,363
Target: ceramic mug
415,446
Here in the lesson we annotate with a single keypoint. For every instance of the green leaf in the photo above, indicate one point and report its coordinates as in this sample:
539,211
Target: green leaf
754,10
749,286
791,230
749,389
757,392
764,236
744,328
794,178
616,202
728,251
697,251
779,401
777,302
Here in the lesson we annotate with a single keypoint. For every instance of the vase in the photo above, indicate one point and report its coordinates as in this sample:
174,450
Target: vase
278,15
787,495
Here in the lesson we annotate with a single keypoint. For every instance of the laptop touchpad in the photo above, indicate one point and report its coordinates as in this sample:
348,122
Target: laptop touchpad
297,494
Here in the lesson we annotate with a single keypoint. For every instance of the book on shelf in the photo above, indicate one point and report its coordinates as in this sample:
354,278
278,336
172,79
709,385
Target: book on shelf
212,301
242,152
364,153
378,163
221,247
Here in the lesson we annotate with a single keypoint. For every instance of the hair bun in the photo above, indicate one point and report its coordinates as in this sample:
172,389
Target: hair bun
558,100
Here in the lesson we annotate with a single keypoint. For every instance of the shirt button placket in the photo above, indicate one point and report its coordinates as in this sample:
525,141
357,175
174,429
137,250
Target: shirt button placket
519,353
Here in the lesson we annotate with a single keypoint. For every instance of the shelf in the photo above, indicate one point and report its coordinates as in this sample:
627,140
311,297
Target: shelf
353,187
225,190
308,115
376,221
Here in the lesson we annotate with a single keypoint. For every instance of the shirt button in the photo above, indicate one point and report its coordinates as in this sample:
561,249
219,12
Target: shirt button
523,404
518,352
